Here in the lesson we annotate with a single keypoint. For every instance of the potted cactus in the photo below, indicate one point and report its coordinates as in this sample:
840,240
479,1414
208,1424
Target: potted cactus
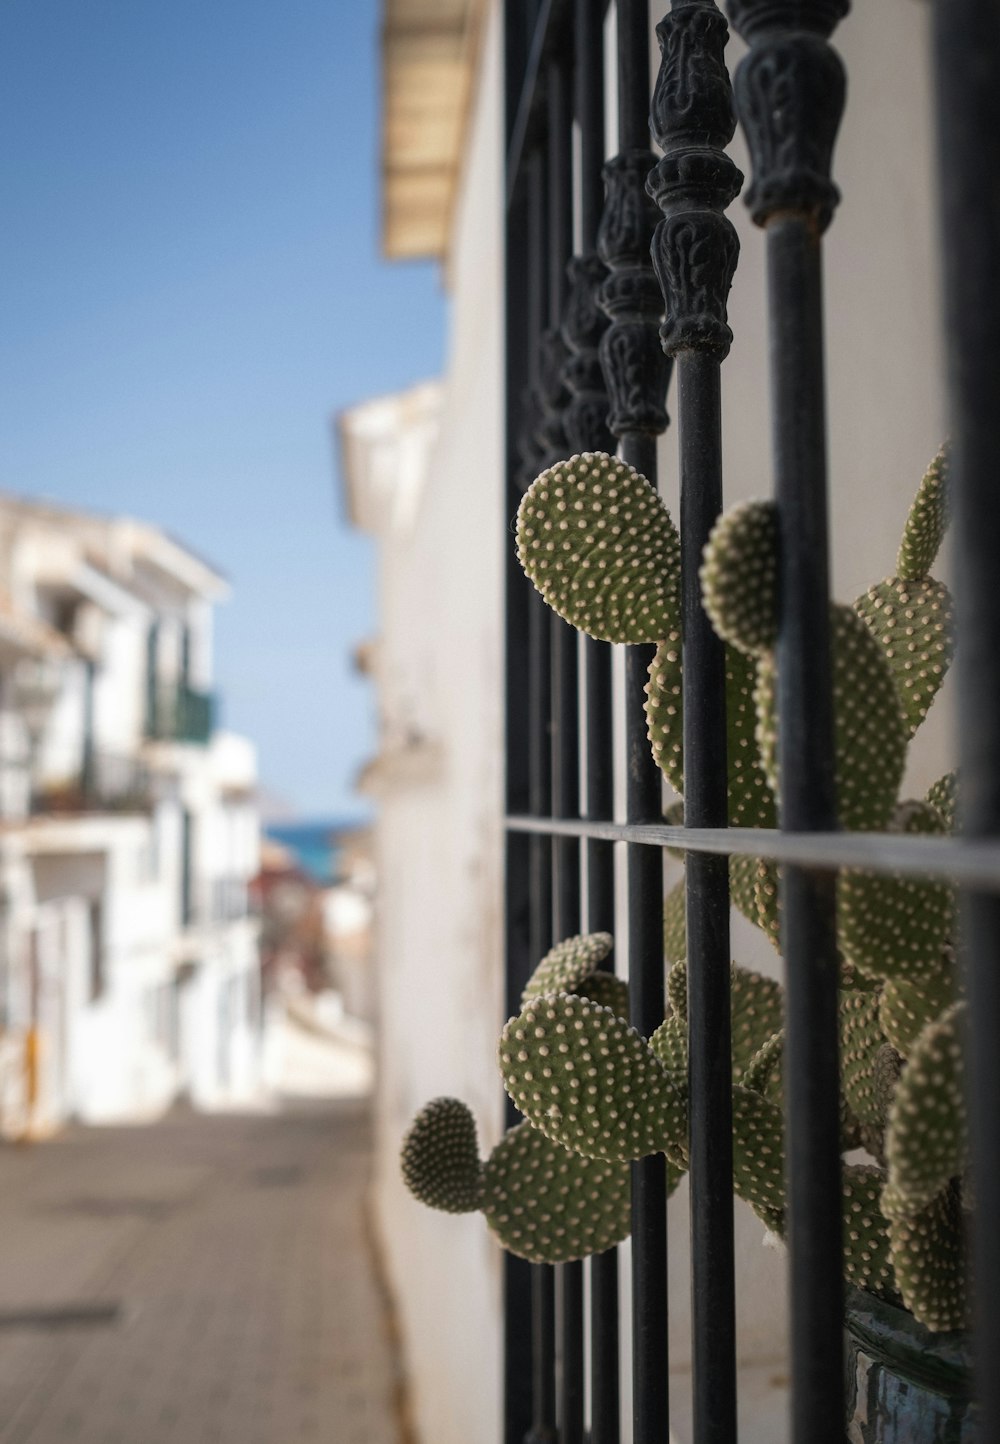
598,543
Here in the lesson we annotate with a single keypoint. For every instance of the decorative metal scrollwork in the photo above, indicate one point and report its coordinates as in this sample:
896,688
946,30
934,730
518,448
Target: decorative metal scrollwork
635,368
695,248
585,419
790,92
552,398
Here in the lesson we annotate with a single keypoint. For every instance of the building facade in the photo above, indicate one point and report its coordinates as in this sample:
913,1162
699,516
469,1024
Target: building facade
128,830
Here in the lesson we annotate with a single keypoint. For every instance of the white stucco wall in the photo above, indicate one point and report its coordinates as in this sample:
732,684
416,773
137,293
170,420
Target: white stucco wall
439,669
438,840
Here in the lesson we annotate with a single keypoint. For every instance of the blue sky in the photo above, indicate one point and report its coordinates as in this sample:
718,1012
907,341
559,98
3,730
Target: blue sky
189,288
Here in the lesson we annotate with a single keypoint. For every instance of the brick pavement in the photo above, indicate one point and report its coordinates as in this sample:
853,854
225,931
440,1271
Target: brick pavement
225,1267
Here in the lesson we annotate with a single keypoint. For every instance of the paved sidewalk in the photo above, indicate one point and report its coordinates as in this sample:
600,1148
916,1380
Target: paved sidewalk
203,1280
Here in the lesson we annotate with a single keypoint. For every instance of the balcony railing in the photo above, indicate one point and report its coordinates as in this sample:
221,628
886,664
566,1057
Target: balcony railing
178,713
106,782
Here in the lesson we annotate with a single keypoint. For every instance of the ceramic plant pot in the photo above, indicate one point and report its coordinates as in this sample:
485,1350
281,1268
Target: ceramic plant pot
905,1385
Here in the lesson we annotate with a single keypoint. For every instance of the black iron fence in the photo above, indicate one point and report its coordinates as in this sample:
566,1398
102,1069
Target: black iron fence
591,338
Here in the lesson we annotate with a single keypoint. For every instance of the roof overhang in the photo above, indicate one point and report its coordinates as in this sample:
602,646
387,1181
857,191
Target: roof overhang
429,50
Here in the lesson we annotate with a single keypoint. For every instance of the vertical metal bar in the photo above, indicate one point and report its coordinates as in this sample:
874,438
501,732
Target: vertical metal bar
565,713
636,373
587,430
967,64
793,196
539,678
517,1336
695,250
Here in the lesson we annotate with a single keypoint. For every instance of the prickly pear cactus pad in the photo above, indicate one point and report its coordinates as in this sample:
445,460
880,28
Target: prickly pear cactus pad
759,1154
440,1157
677,988
912,620
860,1040
927,521
670,1044
763,1073
907,1007
866,1241
870,740
585,1078
928,1253
751,801
567,964
664,712
767,899
926,1137
549,1205
756,1012
943,797
605,989
739,576
599,544
675,923
892,926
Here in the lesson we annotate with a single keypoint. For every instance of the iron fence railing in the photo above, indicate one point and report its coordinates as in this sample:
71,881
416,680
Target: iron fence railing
585,371
179,713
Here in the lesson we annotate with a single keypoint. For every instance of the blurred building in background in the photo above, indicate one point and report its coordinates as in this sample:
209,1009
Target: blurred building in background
128,830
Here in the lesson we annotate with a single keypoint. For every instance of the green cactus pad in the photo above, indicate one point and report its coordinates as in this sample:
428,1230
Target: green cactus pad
751,801
943,797
860,1039
928,1253
926,1136
886,1071
758,1154
739,576
927,521
870,739
605,989
567,964
756,1010
664,710
549,1205
913,623
670,1044
872,1139
675,923
891,926
742,885
599,544
866,1242
440,1157
767,898
677,989
763,1073
588,1080
907,1007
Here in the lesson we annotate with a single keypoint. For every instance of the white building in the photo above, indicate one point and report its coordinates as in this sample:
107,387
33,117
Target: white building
424,474
128,830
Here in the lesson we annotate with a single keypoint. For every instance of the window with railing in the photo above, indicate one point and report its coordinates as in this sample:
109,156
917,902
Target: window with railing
617,273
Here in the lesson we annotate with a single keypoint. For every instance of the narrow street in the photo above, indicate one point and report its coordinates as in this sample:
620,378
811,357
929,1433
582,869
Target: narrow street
203,1280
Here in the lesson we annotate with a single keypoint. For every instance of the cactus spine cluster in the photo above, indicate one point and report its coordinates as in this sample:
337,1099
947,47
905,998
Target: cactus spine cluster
596,540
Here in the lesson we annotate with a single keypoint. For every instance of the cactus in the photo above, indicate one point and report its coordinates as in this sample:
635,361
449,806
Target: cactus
543,1202
599,545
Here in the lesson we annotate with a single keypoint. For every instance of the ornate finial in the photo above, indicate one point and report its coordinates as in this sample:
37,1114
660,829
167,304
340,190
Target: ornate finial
585,419
552,398
635,369
790,92
695,247
527,444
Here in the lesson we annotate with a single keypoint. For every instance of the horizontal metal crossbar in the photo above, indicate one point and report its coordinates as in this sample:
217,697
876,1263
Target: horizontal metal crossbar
967,864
